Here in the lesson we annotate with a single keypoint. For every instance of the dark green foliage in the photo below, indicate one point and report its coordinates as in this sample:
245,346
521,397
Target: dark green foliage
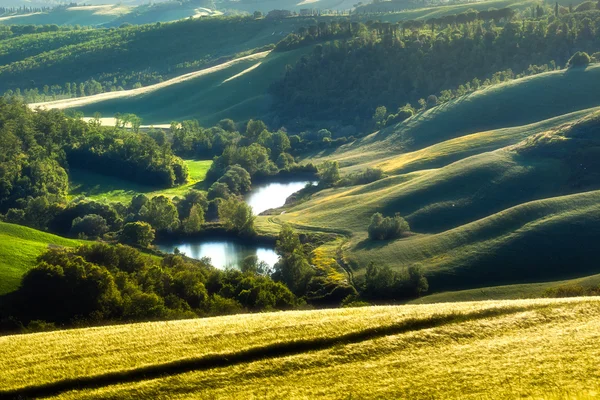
292,268
142,54
579,59
35,148
194,221
252,264
385,228
91,226
255,159
348,80
362,178
237,180
382,283
137,233
329,173
110,283
160,213
237,216
64,220
190,199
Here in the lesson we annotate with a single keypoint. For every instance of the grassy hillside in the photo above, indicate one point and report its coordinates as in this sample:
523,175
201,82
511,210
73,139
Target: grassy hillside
146,54
513,104
102,187
237,91
537,348
19,248
512,204
509,292
79,15
440,11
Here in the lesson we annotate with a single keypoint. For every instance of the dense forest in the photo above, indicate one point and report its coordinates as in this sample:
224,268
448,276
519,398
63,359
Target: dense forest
419,61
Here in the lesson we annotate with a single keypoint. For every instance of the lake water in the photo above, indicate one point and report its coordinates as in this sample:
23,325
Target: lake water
223,253
272,195
229,253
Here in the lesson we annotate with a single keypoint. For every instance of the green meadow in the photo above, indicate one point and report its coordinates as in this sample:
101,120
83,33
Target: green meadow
103,187
19,248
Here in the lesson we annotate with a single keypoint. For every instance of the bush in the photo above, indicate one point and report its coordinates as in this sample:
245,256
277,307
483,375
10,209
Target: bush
91,226
382,283
362,178
137,233
384,228
579,59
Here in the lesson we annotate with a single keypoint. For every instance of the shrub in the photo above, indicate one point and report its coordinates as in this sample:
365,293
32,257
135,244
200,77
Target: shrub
362,178
579,59
329,172
382,283
137,233
91,225
384,228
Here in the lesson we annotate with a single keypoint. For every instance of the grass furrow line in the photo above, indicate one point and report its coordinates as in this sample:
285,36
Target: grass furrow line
258,353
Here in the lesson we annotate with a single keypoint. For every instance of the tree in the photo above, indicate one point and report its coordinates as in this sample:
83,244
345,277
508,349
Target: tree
219,190
329,173
227,125
137,233
292,268
255,128
383,228
237,180
379,116
237,216
253,265
193,223
383,283
579,59
91,225
257,14
191,198
161,213
279,143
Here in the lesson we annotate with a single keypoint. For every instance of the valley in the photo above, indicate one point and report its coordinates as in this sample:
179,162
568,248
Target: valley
317,199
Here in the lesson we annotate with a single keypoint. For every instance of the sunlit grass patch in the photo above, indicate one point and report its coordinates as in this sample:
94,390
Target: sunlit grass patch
102,187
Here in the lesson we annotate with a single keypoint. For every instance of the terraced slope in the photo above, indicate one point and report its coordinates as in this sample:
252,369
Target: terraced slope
19,247
453,350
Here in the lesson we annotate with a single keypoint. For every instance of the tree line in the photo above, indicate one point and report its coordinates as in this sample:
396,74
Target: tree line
346,80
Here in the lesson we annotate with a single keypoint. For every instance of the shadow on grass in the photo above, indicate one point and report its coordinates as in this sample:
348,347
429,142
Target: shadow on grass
273,350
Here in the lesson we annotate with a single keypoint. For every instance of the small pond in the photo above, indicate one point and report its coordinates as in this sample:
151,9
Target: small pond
223,253
230,252
264,196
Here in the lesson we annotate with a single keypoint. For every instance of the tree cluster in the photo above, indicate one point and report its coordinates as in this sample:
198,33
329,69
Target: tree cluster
100,283
385,228
388,65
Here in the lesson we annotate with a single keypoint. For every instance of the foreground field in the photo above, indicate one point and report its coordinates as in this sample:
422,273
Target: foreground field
19,247
534,348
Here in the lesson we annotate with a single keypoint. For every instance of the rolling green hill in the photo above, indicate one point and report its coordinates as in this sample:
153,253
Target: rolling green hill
19,247
493,350
78,15
513,204
530,100
234,90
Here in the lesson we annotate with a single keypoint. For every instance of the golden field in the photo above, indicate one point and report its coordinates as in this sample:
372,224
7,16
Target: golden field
544,348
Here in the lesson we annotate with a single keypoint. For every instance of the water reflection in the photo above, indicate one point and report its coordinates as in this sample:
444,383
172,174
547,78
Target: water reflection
272,195
222,253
